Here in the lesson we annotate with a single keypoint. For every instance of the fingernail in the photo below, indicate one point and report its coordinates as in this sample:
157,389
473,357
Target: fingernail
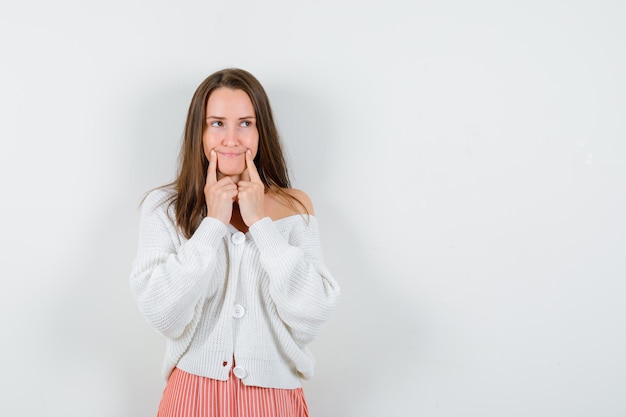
212,152
249,152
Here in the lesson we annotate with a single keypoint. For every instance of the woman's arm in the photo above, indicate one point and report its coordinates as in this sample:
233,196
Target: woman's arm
170,279
301,287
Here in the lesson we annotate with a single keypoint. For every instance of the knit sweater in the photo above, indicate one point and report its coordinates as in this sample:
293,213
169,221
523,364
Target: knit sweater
258,298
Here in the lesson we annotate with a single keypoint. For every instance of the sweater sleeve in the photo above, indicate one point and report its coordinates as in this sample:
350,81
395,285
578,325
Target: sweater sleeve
170,279
301,287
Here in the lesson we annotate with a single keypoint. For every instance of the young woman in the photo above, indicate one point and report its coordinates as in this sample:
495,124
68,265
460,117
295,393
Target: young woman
229,266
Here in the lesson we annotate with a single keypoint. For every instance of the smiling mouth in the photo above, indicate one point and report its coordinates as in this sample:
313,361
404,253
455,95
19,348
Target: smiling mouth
230,155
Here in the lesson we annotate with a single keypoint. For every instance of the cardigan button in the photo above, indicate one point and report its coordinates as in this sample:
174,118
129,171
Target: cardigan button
238,311
240,372
238,238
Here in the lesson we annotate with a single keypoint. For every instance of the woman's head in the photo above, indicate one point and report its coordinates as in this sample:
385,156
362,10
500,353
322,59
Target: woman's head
222,91
219,118
230,131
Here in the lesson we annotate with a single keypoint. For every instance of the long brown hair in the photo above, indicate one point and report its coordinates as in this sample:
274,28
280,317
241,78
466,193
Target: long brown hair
188,199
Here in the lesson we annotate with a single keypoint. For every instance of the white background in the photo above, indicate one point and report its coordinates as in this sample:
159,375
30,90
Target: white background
467,161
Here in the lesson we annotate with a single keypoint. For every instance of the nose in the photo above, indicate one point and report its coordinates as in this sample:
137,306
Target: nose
230,137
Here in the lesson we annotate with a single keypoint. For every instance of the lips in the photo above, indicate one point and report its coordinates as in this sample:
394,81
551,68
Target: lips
230,154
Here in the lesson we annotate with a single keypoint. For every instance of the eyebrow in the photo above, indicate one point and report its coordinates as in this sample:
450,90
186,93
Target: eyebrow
222,118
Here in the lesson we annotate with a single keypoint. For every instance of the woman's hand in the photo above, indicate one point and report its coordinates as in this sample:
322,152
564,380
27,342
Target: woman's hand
219,195
251,193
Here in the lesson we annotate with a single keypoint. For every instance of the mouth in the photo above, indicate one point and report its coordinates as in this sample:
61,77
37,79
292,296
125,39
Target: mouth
230,154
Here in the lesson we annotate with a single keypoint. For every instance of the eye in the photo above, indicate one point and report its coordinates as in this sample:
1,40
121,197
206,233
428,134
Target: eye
246,123
217,123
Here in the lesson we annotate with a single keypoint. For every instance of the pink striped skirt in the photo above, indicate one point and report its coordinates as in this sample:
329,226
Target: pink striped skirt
188,395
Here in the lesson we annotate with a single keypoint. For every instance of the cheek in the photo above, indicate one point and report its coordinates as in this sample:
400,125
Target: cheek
252,142
208,143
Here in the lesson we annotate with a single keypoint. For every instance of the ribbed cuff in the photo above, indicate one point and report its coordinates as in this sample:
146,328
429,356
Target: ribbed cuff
267,237
210,232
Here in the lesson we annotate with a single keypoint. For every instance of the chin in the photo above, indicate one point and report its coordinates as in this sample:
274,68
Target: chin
229,172
231,166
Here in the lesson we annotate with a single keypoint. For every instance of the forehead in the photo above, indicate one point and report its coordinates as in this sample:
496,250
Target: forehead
227,101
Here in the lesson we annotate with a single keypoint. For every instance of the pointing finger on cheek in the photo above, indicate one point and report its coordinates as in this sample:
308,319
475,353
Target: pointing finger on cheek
212,169
254,174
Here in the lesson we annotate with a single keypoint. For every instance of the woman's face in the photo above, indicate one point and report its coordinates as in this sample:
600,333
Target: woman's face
230,129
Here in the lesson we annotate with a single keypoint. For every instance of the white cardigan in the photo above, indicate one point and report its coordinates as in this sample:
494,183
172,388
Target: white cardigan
259,297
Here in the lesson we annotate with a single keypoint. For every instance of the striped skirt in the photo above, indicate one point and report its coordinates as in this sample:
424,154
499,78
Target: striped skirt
188,395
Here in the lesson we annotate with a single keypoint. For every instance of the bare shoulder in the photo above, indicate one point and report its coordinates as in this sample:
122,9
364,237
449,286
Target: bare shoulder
287,202
303,198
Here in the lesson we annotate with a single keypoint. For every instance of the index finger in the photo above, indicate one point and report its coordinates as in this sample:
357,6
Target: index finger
254,174
212,169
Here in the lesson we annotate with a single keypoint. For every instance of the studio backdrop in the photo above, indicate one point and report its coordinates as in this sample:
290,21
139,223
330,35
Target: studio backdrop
466,161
